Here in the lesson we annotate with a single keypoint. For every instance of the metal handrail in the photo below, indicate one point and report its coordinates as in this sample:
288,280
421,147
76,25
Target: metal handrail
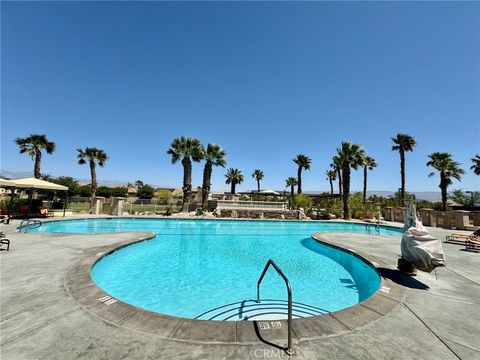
29,224
289,349
368,227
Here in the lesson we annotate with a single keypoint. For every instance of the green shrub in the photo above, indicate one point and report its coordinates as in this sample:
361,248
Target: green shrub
437,205
164,196
168,210
104,191
145,191
84,191
303,201
68,181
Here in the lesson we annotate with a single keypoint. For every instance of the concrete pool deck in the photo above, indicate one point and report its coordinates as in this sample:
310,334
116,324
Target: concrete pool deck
438,318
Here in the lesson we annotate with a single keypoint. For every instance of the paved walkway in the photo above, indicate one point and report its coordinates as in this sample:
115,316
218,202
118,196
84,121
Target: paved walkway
438,319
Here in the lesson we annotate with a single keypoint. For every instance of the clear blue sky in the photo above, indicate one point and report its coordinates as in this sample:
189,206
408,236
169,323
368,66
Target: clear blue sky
266,81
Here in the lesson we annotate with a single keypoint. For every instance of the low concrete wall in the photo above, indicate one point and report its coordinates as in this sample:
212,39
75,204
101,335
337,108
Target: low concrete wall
459,219
259,214
475,216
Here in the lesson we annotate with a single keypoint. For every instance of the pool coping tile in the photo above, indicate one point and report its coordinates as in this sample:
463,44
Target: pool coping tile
91,298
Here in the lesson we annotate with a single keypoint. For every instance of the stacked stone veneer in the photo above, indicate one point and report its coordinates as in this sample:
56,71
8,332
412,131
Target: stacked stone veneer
259,214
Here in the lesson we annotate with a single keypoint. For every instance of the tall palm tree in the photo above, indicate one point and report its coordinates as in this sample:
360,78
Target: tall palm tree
214,155
476,164
258,176
186,150
292,182
303,162
369,163
351,157
33,146
93,156
403,143
234,177
336,165
448,169
331,177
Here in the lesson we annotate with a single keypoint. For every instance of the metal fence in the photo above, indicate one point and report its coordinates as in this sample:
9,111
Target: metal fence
131,206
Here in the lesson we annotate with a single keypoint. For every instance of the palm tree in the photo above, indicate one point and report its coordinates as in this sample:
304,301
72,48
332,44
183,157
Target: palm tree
331,177
336,165
303,162
448,169
234,177
369,163
214,155
33,146
351,156
403,143
292,182
94,156
258,175
476,165
186,150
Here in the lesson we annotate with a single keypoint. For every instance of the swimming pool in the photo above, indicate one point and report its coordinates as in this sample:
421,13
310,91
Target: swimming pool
208,269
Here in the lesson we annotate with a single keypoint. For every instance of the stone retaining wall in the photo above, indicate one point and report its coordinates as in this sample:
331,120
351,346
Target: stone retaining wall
259,214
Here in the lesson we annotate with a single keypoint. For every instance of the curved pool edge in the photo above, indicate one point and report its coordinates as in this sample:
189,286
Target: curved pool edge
80,286
156,217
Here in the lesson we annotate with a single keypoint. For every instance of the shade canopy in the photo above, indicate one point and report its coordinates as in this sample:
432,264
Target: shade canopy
268,192
32,183
6,183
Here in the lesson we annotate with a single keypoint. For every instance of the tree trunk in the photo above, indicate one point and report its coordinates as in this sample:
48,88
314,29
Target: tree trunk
292,191
258,185
299,180
346,192
187,183
93,176
38,161
339,175
443,187
207,176
402,174
365,171
232,188
331,185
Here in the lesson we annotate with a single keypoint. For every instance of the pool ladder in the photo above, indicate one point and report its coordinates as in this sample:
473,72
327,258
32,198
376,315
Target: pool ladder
29,224
369,228
289,349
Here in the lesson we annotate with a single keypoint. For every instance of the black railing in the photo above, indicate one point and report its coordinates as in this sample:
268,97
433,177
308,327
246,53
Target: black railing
289,349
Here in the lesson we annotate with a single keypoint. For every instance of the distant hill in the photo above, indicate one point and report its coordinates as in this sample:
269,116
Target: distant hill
15,174
420,195
26,174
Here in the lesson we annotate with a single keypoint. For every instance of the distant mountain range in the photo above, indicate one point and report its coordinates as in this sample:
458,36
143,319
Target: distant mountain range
420,195
26,174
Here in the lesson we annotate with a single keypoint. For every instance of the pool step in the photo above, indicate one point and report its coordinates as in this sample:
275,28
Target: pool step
266,309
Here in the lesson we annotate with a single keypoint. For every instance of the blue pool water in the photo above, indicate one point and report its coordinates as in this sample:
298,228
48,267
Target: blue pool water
209,269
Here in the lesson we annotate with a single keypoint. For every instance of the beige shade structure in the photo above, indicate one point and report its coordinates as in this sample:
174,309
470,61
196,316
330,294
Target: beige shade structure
6,183
268,192
32,183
